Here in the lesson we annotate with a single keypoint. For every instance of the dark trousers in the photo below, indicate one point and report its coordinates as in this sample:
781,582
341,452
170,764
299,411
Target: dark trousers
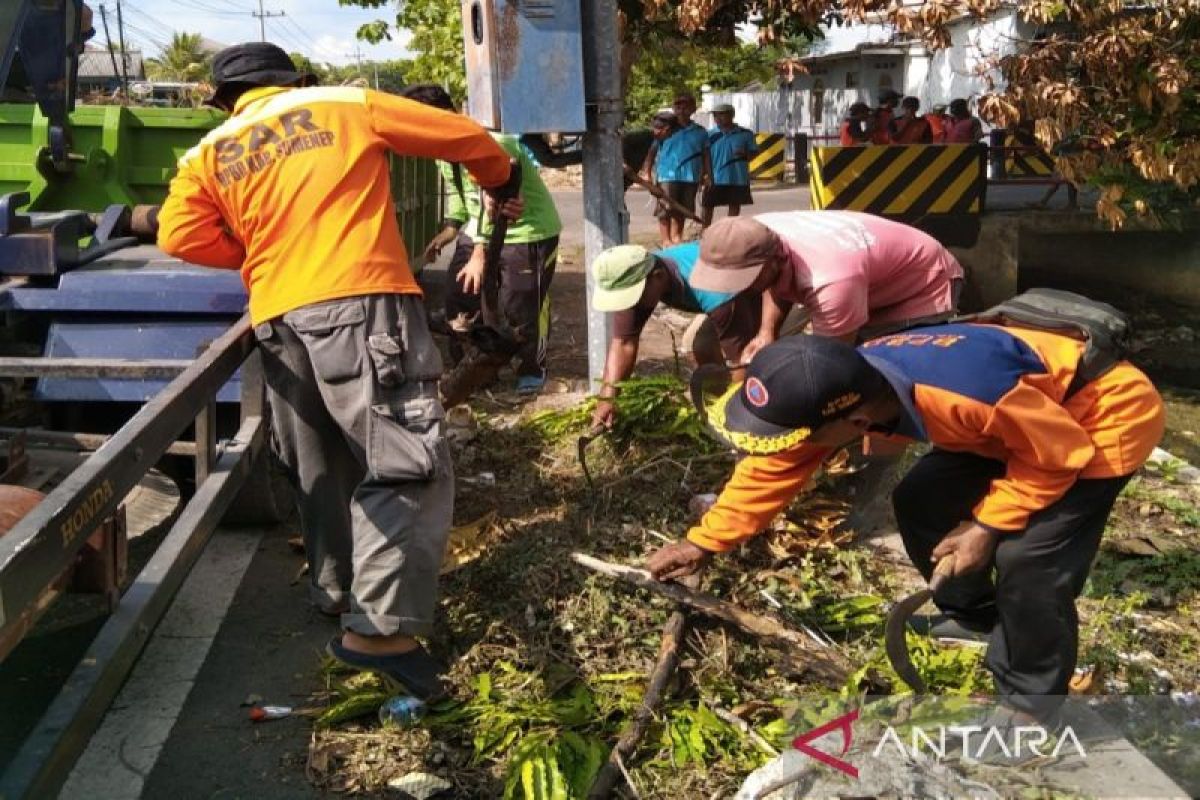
462,309
523,299
1029,602
526,271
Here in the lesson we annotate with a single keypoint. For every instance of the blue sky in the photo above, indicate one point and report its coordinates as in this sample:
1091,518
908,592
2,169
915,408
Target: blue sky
321,29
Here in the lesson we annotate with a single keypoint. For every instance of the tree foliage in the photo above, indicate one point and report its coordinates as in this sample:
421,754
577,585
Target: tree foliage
1110,85
184,60
672,65
436,29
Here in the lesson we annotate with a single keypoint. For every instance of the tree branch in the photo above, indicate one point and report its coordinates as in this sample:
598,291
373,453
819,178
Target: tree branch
673,635
814,656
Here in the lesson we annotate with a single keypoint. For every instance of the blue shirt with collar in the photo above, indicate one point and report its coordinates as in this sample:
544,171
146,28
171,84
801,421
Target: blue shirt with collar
680,157
730,151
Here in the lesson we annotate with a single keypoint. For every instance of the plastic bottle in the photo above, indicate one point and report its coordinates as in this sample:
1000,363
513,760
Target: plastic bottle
402,711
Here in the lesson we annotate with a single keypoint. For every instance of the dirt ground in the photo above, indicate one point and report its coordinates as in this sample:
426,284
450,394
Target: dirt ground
550,660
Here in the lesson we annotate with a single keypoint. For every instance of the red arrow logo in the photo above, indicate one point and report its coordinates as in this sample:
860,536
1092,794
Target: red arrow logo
844,723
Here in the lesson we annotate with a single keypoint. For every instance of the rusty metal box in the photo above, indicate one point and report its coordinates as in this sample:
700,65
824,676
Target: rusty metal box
524,65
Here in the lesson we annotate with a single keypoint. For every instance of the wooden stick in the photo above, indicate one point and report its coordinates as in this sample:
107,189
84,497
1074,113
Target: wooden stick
819,659
745,728
658,193
674,632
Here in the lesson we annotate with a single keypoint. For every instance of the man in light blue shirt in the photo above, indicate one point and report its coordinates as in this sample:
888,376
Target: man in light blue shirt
730,148
679,162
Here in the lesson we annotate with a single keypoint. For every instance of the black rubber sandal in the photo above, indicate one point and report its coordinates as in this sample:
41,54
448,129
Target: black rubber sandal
416,671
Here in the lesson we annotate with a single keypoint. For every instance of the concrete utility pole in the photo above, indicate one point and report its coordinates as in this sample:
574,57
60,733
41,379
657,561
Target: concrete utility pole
357,56
262,19
112,54
124,53
605,220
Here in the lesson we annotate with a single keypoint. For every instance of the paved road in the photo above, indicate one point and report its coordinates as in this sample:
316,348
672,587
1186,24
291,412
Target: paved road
785,198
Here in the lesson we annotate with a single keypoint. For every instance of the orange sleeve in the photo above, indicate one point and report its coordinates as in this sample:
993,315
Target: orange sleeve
191,227
415,129
1047,449
761,487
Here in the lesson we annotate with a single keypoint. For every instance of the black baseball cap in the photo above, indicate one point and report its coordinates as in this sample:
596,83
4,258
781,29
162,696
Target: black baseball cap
792,387
258,63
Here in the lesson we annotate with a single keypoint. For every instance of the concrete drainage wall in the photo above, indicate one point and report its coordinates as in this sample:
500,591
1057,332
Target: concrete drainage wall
1074,250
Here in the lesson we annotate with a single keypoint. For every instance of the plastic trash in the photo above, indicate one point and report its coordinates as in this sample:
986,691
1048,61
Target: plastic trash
402,711
267,713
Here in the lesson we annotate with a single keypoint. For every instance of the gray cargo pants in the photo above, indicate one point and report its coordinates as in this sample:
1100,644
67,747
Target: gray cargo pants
356,420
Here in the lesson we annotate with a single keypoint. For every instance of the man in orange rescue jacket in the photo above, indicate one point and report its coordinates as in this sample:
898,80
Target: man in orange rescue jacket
293,190
1021,477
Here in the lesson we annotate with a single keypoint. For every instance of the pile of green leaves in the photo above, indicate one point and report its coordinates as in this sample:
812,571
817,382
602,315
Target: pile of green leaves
654,408
692,734
355,695
546,726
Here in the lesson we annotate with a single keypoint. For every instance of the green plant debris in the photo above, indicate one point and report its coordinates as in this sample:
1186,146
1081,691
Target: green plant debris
551,662
1184,511
1173,577
655,408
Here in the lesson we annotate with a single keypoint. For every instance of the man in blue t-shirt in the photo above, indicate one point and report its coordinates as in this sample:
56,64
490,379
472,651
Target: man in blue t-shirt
730,148
679,162
630,283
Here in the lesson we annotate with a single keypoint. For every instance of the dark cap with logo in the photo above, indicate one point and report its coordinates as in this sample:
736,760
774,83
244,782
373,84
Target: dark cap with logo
258,63
793,387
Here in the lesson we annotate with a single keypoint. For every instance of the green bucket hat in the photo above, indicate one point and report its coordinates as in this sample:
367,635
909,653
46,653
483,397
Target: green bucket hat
620,275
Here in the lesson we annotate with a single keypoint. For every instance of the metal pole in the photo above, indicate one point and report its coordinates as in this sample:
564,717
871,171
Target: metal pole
605,220
262,22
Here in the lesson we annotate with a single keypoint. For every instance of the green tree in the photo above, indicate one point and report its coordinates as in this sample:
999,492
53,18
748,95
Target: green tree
1110,86
671,65
182,60
436,29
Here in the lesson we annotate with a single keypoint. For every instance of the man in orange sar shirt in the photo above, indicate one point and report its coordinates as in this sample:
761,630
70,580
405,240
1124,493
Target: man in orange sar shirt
1025,467
293,190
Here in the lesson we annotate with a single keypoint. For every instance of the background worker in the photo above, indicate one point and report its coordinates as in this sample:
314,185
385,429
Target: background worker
294,190
880,124
939,123
1020,479
853,132
910,127
527,260
963,128
631,282
730,147
857,275
679,163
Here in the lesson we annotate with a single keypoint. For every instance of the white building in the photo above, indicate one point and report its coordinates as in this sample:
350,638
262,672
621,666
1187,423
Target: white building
855,63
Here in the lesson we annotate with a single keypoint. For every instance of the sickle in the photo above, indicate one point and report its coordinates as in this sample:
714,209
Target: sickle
897,621
581,449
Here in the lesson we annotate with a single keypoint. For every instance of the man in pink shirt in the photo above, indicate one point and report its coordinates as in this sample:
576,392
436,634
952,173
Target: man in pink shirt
857,275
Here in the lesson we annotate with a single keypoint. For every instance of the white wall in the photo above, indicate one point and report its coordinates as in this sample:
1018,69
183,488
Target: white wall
762,112
953,72
934,78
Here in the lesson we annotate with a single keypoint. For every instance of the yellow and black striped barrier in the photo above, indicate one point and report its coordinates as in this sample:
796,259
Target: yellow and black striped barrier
1024,161
768,164
906,182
